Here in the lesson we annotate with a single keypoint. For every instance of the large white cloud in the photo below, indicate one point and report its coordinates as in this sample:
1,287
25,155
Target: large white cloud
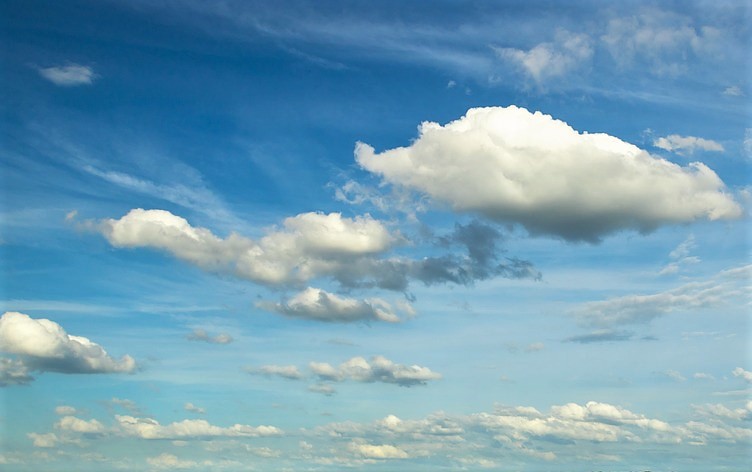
45,346
512,165
317,304
308,245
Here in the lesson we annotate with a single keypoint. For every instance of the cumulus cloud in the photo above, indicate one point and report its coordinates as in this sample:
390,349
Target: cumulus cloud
550,60
14,372
285,371
635,309
65,410
309,245
317,304
77,425
148,428
44,345
69,75
45,440
686,144
514,166
379,369
201,335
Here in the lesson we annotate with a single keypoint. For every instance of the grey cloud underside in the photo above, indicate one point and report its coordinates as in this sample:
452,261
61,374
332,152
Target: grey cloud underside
14,372
601,337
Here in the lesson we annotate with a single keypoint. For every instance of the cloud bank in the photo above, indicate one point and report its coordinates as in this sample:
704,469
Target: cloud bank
514,166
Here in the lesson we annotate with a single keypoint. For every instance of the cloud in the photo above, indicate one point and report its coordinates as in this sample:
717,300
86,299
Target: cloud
514,166
636,309
681,256
722,411
310,245
659,41
317,304
379,369
14,372
45,440
733,91
77,425
324,389
743,374
170,462
384,451
201,335
285,371
193,408
674,375
600,336
45,346
68,76
686,144
148,428
550,60
65,410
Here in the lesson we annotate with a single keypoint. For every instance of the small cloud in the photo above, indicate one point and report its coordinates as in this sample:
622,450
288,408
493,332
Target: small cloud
733,91
686,144
193,408
743,374
68,76
680,257
535,347
285,371
71,215
674,375
65,410
451,84
600,336
702,376
324,389
202,335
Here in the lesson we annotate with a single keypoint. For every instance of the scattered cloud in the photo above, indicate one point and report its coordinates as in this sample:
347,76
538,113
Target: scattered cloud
43,345
383,451
194,409
379,369
148,428
743,374
65,410
317,304
601,336
702,376
322,388
514,166
77,425
636,309
683,145
285,371
170,462
69,75
535,347
546,61
46,440
733,91
681,256
199,334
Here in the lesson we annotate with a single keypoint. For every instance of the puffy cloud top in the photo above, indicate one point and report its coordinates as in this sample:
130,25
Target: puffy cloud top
512,165
46,346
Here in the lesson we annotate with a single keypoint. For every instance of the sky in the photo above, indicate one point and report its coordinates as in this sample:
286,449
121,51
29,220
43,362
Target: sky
388,236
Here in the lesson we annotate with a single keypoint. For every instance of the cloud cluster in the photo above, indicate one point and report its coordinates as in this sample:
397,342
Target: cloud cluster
514,166
686,144
43,345
69,75
317,304
357,369
636,309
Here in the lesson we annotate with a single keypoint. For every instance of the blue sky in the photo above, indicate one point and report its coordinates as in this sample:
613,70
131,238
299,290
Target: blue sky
506,236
